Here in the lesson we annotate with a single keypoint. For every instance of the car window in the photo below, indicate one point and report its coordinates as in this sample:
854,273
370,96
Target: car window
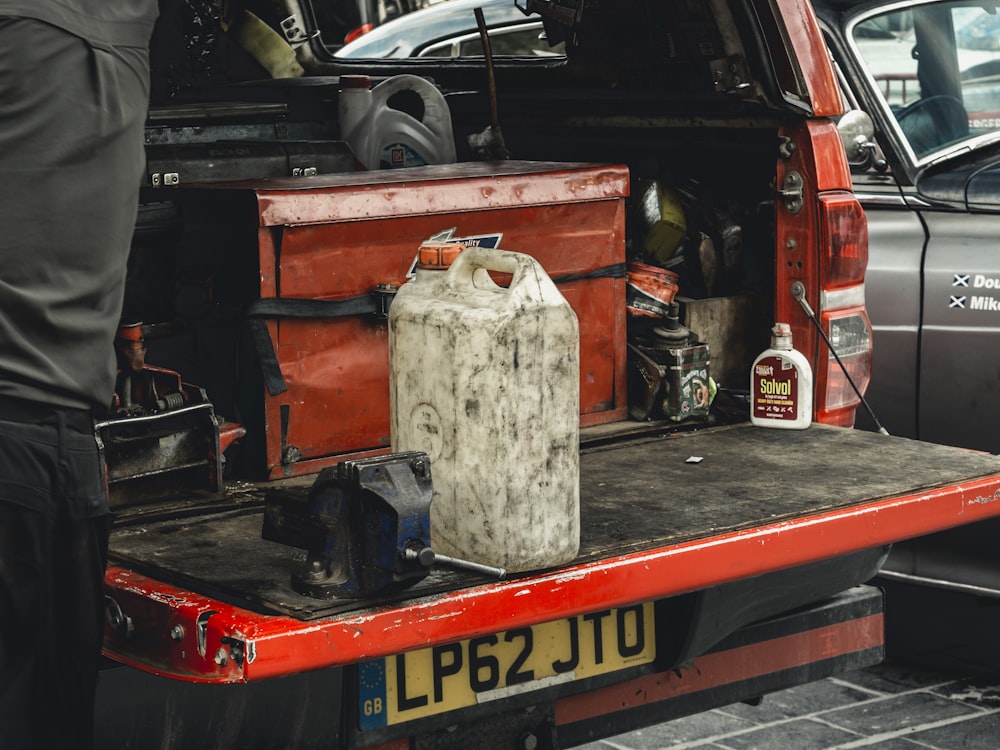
342,20
937,68
449,29
523,39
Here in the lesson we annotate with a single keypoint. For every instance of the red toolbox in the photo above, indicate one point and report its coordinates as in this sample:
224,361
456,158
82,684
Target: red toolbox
306,261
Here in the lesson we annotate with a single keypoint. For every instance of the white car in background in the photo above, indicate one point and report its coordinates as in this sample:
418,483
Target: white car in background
449,29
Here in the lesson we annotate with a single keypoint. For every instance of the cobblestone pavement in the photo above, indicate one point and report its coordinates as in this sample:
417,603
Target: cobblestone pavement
882,708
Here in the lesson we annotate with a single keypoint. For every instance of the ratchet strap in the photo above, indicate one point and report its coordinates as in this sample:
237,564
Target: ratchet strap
375,303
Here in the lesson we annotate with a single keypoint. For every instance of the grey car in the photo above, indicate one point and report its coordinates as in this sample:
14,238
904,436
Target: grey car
928,74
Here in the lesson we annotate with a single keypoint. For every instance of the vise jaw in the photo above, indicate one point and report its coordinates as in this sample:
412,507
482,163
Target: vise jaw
365,526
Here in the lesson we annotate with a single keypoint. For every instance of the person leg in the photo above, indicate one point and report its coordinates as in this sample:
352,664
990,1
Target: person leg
78,548
22,565
54,524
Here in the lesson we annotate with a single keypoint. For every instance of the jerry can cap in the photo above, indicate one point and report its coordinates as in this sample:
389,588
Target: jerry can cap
438,255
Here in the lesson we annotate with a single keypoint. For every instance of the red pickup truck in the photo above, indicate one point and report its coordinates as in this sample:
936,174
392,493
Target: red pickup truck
718,561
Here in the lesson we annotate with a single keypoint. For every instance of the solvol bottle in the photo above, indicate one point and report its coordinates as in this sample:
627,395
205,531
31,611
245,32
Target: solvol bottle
781,384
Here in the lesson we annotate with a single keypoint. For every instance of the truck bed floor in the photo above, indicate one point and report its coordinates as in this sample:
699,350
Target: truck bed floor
638,494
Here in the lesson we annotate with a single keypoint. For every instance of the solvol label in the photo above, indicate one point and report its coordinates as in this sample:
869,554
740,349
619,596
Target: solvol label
775,389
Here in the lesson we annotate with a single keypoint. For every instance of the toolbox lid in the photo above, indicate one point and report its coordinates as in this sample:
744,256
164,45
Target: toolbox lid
415,191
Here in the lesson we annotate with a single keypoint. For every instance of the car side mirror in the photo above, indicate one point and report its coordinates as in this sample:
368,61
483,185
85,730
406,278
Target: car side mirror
857,133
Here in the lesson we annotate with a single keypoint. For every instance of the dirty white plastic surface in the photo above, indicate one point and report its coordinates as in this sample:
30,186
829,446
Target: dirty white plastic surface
383,137
486,381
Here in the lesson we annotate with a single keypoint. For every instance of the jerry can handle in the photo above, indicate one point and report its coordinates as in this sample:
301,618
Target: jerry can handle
529,282
435,106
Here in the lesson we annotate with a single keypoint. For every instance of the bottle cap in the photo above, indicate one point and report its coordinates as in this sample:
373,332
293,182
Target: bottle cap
781,336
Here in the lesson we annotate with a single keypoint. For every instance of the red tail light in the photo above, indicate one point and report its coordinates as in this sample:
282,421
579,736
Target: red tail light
843,237
823,243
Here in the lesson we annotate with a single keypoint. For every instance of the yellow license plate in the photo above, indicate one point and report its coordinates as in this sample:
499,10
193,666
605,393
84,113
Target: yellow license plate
423,683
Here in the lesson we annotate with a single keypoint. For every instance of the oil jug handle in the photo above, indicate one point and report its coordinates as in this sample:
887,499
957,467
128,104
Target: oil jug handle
435,105
529,282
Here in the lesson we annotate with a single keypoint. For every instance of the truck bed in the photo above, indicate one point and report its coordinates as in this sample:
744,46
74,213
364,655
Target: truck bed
662,514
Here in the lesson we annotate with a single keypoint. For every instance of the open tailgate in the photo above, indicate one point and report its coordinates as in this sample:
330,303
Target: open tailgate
654,525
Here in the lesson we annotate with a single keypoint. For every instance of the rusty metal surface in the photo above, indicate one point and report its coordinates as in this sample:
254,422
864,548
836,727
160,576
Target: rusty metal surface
467,186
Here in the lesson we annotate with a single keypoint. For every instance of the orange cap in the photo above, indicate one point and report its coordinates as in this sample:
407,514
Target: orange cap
438,255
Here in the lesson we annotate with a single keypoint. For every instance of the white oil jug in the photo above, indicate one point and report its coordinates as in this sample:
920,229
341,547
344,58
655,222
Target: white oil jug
384,136
485,380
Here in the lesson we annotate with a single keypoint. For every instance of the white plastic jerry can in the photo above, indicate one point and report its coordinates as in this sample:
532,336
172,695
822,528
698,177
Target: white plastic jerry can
383,136
485,380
